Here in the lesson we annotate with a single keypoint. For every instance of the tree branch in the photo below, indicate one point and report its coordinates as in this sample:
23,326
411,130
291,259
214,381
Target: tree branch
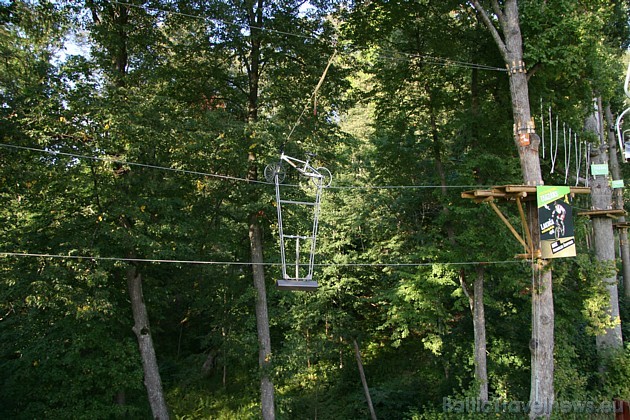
533,70
493,30
500,15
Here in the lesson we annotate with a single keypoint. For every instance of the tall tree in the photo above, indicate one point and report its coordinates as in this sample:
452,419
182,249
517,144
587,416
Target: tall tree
618,204
603,235
506,32
115,45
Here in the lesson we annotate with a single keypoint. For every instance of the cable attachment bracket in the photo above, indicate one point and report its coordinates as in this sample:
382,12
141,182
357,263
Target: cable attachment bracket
516,67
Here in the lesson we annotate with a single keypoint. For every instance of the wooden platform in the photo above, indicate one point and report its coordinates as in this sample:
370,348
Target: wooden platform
300,285
512,192
622,225
612,213
516,194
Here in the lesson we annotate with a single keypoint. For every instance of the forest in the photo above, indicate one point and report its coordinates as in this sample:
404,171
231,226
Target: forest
141,233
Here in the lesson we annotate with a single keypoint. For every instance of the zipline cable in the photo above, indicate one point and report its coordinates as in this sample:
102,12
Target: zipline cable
203,262
438,61
225,177
124,162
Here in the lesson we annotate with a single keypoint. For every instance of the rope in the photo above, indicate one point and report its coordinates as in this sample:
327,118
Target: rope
313,96
542,124
554,153
578,161
564,143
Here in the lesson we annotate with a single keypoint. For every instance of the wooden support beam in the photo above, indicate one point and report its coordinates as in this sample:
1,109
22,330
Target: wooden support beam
528,234
508,224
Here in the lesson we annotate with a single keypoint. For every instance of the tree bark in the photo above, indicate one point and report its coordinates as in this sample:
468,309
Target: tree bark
366,389
510,43
141,329
542,342
479,327
603,234
615,170
477,308
262,321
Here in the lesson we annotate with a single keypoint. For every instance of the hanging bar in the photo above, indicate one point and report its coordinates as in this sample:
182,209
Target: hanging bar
305,203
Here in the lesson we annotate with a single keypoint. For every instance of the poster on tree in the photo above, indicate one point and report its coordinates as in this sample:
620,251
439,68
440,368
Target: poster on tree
555,217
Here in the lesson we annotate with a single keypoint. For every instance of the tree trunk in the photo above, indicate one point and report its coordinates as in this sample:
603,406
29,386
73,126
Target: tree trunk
152,380
603,234
542,343
255,22
527,141
479,327
477,308
262,321
475,300
615,170
366,389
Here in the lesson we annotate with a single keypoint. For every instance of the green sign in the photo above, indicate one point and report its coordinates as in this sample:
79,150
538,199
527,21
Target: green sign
546,194
617,183
599,169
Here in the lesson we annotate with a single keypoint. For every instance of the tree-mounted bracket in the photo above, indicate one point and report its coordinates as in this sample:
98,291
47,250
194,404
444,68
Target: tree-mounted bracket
516,67
517,194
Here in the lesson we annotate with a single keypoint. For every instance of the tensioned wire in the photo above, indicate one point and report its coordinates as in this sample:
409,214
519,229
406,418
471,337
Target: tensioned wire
203,262
224,177
385,53
219,176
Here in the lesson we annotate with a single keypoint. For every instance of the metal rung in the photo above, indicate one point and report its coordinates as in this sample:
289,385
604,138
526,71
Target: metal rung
297,237
302,285
306,203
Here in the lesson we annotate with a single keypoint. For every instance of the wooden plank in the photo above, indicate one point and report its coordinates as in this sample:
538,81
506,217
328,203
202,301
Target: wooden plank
529,189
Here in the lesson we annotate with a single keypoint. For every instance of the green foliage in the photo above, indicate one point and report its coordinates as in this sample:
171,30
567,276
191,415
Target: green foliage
616,370
164,89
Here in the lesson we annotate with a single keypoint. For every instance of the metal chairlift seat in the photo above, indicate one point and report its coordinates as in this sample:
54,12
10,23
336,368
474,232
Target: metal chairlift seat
298,282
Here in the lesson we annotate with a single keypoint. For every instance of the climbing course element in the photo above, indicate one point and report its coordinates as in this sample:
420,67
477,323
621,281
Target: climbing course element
302,277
